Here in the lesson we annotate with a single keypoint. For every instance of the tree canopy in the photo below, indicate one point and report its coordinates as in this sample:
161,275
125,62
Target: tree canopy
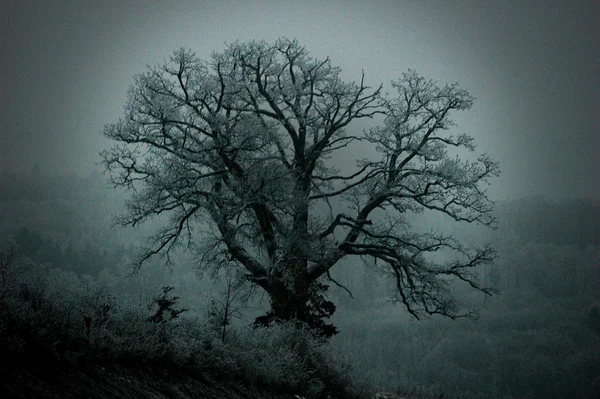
240,151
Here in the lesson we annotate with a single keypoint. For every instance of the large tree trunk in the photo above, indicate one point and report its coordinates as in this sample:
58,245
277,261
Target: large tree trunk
304,303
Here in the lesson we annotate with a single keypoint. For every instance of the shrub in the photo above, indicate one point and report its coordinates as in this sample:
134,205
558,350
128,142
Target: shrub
61,318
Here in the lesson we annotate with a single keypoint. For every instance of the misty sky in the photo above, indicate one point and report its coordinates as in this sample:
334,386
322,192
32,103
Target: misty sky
534,68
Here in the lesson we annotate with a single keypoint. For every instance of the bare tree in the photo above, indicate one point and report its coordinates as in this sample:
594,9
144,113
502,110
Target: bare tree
239,151
228,304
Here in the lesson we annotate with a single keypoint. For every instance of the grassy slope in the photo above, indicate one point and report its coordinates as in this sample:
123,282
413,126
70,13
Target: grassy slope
123,382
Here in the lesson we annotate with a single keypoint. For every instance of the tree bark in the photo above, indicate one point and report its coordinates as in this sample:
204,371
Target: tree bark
303,304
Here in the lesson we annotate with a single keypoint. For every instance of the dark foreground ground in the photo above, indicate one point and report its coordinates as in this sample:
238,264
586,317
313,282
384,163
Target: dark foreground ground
117,382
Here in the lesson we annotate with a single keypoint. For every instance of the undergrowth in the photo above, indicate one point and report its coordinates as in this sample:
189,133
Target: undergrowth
51,319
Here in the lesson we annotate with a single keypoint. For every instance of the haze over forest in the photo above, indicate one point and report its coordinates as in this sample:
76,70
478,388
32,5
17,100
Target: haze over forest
532,69
534,73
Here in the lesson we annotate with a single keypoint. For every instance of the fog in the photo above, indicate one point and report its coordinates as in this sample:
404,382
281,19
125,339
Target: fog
533,70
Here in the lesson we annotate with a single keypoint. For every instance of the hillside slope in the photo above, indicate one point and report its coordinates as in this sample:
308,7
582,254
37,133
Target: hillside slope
117,382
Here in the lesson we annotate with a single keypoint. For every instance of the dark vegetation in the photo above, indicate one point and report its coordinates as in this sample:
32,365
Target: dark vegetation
539,338
58,330
69,305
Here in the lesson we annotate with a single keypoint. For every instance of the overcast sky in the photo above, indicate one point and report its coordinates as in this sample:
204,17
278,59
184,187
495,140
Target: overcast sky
533,67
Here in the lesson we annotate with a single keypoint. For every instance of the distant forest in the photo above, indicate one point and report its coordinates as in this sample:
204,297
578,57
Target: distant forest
538,338
65,219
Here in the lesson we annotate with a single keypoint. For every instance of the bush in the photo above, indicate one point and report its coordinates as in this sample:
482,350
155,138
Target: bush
66,320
